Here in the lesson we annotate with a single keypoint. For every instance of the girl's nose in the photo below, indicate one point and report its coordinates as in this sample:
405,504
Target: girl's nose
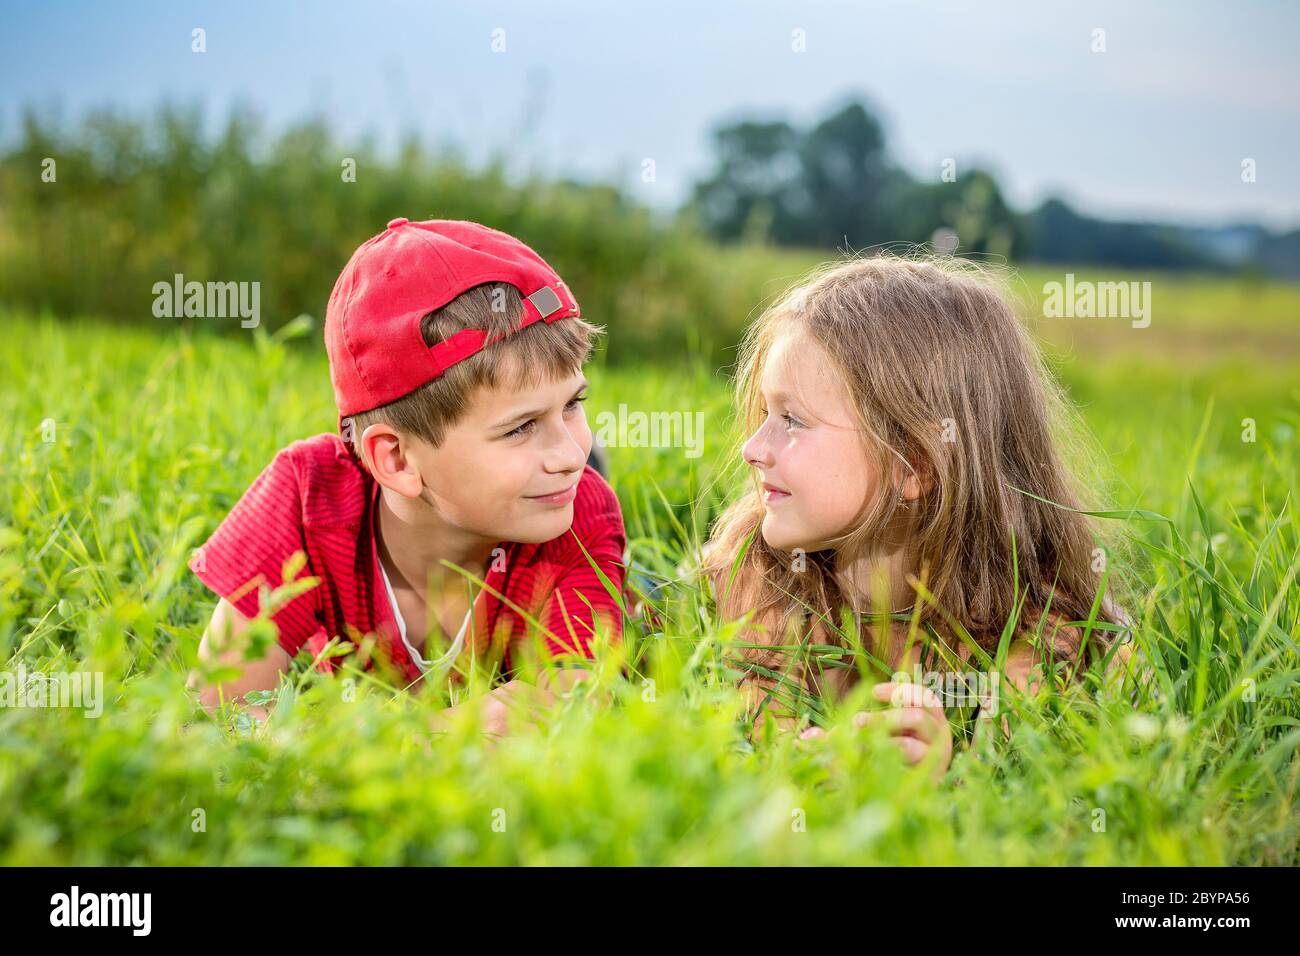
755,451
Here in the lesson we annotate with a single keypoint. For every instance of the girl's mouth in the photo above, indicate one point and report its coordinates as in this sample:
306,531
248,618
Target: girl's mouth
772,493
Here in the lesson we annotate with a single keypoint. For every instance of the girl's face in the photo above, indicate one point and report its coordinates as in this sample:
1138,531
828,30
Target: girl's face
809,451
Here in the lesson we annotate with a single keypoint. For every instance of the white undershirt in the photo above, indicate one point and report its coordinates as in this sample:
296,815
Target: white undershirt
452,652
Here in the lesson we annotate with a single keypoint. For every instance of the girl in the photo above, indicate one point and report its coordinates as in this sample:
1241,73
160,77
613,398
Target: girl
904,466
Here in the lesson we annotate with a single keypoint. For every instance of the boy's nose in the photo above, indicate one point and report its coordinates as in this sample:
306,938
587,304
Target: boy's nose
568,453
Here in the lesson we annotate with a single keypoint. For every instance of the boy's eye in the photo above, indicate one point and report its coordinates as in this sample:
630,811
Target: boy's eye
528,426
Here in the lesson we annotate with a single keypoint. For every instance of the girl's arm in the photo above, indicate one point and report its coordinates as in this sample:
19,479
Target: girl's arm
755,689
1022,669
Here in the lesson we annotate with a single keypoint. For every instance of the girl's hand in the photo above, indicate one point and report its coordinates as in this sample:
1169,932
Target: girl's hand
917,722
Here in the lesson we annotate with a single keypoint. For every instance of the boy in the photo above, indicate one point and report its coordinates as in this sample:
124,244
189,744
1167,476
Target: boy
456,357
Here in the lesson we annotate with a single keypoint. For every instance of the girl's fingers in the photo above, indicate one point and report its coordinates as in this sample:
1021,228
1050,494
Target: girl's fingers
917,722
910,695
914,747
913,750
812,732
909,720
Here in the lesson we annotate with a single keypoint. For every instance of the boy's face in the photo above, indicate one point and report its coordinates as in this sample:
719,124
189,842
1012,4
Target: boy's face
509,469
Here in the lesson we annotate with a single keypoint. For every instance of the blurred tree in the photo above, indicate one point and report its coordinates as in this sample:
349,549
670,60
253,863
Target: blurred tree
847,180
825,187
754,193
971,206
835,185
136,201
1059,234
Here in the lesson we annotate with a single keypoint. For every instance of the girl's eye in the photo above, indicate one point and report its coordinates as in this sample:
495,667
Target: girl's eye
790,420
575,402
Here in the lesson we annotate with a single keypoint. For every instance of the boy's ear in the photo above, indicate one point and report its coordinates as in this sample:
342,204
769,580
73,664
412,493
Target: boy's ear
382,450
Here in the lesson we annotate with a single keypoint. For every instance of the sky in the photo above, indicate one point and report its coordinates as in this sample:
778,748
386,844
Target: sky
1156,126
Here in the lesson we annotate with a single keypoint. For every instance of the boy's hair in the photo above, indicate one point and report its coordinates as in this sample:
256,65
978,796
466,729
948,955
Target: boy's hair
541,352
945,379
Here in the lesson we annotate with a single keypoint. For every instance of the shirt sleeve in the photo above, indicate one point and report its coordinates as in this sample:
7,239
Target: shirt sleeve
248,550
580,602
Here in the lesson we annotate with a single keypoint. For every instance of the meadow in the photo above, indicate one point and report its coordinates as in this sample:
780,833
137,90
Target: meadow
124,445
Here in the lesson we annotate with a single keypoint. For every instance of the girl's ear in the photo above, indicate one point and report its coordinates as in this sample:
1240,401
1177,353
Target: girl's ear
918,481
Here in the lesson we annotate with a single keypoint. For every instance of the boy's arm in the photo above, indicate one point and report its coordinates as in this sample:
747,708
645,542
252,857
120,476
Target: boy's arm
515,703
571,624
223,645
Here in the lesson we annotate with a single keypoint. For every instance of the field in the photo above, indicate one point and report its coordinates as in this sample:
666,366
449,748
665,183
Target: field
124,446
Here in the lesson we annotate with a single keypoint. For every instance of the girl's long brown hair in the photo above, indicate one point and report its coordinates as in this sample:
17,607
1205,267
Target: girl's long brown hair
945,378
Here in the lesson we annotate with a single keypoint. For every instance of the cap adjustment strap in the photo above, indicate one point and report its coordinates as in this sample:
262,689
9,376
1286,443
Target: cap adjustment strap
546,304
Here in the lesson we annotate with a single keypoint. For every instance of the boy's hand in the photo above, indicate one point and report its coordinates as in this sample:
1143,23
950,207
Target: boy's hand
508,707
562,680
916,721
513,705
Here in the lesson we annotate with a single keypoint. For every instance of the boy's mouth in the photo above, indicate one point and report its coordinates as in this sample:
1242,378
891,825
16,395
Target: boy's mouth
557,498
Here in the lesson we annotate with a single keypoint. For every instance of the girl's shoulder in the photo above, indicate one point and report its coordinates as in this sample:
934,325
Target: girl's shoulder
1054,638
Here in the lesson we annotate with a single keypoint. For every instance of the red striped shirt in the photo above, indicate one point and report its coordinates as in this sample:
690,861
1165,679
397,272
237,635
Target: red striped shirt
316,498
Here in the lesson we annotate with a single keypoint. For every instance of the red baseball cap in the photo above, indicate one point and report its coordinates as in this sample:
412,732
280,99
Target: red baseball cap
372,323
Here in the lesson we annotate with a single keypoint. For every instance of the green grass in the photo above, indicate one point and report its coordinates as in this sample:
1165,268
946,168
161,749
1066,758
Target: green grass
157,432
